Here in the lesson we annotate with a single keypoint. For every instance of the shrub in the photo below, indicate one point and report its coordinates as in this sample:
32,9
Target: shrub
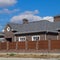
12,54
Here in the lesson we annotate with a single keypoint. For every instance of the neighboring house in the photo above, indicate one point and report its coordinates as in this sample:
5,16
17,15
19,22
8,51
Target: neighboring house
32,31
2,37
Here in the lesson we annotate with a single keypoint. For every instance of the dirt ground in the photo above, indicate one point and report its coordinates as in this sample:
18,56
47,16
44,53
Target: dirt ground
27,59
30,55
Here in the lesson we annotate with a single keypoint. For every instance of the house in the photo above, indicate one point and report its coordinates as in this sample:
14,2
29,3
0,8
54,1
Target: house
2,37
32,31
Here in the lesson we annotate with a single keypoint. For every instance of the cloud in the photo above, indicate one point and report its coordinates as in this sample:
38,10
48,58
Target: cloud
31,16
3,30
30,12
49,18
4,3
7,11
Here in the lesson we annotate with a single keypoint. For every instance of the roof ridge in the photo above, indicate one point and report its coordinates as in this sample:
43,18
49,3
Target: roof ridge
29,22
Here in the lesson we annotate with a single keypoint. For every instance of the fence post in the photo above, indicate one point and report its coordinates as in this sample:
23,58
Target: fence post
49,45
0,45
37,45
7,45
16,45
26,45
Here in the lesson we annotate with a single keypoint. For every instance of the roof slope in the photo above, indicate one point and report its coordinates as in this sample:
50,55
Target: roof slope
36,26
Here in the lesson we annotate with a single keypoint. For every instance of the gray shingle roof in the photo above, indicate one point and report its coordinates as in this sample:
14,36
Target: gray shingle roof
36,26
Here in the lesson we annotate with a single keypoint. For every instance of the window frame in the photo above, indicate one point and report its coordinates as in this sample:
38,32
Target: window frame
35,36
8,29
19,38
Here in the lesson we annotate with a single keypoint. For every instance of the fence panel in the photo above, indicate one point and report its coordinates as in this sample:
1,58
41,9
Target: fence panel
55,44
21,45
31,45
12,45
43,44
3,45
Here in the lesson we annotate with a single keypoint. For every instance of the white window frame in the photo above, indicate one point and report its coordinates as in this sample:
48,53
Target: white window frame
19,38
35,36
2,39
8,28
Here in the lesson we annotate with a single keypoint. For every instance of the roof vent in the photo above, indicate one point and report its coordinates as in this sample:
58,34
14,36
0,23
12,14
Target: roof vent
57,18
25,21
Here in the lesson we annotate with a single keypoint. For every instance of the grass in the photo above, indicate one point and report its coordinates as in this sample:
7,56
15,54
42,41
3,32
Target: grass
29,55
12,54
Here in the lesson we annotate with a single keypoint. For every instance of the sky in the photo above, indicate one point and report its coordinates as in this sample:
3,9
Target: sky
34,10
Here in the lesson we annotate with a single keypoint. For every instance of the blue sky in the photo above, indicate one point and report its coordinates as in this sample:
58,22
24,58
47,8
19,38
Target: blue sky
34,10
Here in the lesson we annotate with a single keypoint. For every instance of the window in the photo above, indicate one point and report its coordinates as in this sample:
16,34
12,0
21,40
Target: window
35,38
2,39
23,38
8,29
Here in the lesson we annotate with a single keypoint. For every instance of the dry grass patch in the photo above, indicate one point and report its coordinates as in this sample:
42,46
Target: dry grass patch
29,55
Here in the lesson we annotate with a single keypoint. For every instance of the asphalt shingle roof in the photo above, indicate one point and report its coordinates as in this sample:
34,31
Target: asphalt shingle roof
36,26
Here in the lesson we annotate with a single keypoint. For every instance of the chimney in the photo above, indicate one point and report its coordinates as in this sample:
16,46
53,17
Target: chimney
25,21
56,18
